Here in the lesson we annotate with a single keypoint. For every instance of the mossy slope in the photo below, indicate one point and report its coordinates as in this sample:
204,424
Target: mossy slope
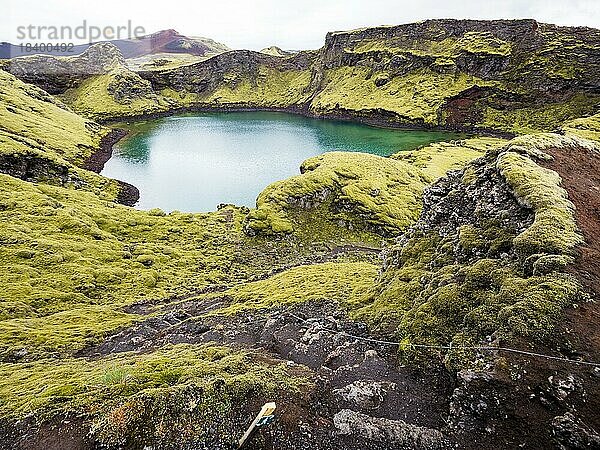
414,98
32,117
435,160
66,249
41,139
585,127
485,260
165,398
340,283
117,93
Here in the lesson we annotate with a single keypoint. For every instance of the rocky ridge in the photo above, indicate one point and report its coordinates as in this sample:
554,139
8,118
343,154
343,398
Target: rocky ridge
499,76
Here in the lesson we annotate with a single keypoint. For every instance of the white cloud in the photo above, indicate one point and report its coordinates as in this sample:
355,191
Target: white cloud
293,24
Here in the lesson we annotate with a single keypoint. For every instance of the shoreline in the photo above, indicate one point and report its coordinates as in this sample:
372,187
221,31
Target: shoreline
128,194
373,118
95,162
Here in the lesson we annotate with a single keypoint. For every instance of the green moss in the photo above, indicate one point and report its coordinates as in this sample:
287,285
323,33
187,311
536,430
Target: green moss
536,145
69,260
416,97
163,61
365,190
554,229
470,42
48,167
333,282
469,176
83,250
483,43
540,117
117,93
438,158
62,333
32,119
436,303
584,127
270,87
560,56
489,239
546,264
38,129
196,387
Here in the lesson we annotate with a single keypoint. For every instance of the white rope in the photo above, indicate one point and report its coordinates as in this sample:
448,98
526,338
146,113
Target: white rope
453,347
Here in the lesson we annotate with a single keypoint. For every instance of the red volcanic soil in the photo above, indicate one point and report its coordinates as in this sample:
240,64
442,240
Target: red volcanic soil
580,172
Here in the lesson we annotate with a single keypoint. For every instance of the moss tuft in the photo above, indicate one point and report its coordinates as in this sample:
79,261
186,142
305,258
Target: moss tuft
342,283
554,229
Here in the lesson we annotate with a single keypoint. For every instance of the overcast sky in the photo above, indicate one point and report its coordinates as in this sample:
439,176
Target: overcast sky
290,24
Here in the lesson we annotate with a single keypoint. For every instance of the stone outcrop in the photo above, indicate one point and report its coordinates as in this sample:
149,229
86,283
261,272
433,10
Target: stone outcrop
392,434
206,76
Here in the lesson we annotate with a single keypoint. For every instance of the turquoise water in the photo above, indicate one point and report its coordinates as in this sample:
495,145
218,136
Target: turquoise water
193,162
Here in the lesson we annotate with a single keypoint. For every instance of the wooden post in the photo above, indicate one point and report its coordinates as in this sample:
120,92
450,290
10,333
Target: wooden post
264,417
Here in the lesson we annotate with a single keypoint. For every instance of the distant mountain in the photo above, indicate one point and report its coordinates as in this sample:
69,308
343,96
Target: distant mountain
166,41
275,51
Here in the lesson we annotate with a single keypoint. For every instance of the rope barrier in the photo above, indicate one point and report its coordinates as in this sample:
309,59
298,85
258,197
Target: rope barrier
408,344
453,347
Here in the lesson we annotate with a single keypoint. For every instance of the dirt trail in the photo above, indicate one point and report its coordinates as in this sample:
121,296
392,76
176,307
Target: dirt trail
350,374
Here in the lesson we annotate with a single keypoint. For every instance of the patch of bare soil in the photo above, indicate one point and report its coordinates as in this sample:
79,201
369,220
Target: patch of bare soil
58,434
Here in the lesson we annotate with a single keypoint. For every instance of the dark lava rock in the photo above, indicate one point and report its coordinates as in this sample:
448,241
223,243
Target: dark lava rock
572,433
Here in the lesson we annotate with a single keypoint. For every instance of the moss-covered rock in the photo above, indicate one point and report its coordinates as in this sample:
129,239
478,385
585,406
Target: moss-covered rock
438,158
117,93
554,229
357,190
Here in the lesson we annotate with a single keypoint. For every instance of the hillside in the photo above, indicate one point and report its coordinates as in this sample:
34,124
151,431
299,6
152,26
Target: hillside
358,293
